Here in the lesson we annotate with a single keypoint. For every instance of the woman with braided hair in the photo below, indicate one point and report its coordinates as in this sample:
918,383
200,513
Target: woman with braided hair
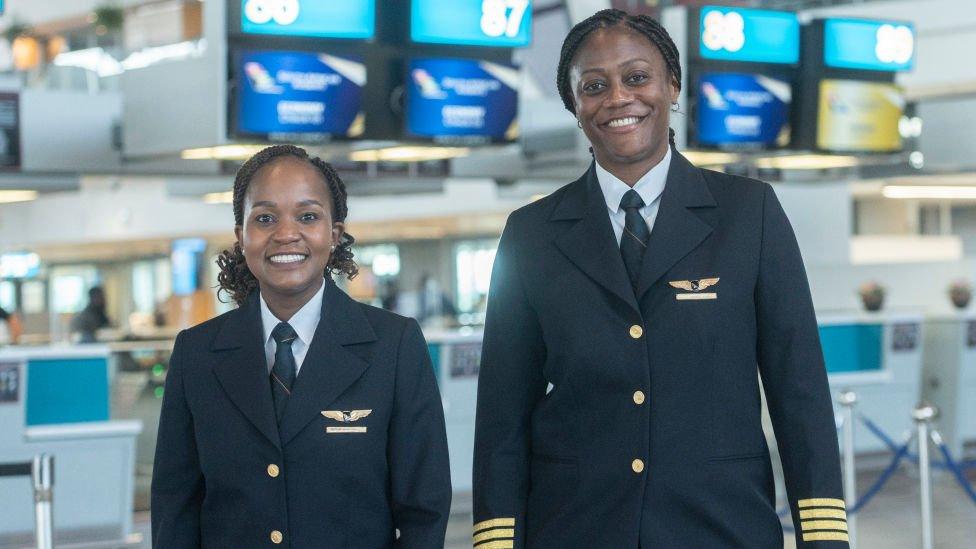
629,315
302,417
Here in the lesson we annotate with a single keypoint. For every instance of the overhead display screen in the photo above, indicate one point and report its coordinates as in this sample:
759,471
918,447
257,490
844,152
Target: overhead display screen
281,92
457,98
743,110
317,18
498,23
859,116
868,45
758,36
19,265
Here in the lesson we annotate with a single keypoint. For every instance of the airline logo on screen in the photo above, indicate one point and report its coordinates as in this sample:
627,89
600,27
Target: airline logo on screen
282,12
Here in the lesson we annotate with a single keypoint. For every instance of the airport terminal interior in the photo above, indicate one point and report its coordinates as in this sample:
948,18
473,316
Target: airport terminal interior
124,122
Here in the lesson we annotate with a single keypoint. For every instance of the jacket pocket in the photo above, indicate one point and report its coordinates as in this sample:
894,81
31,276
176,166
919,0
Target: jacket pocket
552,486
738,457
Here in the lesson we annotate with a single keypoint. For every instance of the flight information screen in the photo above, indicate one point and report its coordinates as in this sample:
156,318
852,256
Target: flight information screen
498,23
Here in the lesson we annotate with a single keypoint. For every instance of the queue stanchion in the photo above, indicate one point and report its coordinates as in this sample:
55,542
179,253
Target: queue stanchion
923,414
41,471
42,476
847,400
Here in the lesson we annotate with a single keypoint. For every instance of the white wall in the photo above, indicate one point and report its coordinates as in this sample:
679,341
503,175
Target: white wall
43,11
110,209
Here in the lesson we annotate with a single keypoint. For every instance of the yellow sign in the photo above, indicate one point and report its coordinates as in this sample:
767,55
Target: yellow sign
859,116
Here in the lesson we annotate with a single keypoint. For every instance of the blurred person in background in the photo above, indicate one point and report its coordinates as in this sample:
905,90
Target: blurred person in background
301,417
629,315
10,328
92,318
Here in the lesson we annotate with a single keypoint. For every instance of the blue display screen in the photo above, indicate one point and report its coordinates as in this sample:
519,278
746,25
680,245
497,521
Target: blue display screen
462,97
318,18
868,45
850,348
185,258
67,390
743,109
499,23
300,93
759,36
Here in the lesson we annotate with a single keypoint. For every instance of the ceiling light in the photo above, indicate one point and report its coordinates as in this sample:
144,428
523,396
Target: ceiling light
219,198
408,154
933,192
710,158
222,152
807,162
7,197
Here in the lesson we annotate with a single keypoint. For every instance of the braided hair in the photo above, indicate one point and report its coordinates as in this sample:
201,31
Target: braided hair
608,18
234,277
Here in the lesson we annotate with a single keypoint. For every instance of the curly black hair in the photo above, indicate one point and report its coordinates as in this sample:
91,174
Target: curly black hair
607,18
234,277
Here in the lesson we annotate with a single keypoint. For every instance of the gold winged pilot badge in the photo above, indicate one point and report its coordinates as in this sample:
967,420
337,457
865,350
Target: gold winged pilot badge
345,417
695,287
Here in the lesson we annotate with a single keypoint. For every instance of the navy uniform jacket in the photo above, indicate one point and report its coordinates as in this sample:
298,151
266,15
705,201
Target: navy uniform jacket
651,432
225,476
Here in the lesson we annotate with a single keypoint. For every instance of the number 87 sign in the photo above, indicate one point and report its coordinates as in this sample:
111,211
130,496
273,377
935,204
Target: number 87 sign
498,23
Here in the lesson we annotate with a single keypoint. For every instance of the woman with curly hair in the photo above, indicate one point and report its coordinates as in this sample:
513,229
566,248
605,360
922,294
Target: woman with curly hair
302,417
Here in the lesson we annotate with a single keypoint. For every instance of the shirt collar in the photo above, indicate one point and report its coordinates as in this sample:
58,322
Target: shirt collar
649,186
304,321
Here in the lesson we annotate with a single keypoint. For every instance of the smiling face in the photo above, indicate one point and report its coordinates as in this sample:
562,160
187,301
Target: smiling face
288,231
623,92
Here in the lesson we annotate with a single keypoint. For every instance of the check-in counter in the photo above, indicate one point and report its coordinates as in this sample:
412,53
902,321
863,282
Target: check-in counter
457,357
950,377
55,400
879,357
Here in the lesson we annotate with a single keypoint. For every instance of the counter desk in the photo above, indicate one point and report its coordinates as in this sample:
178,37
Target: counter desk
55,400
950,378
879,357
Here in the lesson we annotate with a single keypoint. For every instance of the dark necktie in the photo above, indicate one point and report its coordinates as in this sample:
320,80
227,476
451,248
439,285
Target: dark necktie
635,236
283,372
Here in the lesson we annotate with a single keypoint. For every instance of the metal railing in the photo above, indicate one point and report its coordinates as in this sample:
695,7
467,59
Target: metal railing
41,471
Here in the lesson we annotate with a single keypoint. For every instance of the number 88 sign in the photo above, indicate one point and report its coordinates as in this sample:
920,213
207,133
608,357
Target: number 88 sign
283,12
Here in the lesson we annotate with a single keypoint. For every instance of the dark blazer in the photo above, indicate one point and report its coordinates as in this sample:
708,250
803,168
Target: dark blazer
226,476
650,435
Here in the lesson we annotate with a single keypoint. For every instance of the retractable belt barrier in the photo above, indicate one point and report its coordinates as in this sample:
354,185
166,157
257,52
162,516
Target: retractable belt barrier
923,415
41,471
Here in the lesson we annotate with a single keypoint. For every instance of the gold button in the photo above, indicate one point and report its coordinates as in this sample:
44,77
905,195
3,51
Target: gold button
273,471
276,537
636,331
638,397
637,465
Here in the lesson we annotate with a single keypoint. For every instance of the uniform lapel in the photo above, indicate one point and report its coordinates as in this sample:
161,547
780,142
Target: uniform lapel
590,243
678,229
242,369
329,368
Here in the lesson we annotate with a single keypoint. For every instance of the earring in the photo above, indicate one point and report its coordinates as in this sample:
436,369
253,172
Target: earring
675,107
579,124
333,247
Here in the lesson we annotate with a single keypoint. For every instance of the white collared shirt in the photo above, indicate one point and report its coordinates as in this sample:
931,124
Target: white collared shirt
650,187
304,322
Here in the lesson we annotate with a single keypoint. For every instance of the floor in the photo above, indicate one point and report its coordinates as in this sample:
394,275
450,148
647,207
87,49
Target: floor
890,521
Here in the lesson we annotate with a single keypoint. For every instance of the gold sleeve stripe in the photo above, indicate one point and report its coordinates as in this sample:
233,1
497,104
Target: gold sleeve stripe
500,544
823,514
821,502
494,534
495,523
826,536
808,525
